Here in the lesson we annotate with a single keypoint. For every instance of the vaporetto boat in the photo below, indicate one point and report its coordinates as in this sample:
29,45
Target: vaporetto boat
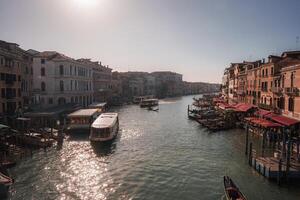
105,127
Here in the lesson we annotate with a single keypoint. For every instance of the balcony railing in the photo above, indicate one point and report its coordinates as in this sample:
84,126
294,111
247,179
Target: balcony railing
277,90
241,92
293,91
265,106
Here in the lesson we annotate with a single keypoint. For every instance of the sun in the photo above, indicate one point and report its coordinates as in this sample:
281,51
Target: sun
86,3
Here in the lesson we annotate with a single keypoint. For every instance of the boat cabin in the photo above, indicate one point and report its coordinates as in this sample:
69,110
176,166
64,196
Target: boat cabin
102,106
149,103
82,119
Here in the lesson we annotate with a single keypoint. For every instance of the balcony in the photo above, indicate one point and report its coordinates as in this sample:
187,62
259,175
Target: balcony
291,91
10,96
241,93
265,106
277,90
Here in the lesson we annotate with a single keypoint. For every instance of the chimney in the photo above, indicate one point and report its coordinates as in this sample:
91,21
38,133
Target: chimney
263,61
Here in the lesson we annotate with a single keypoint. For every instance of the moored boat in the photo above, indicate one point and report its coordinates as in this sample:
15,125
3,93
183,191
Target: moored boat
232,192
5,182
105,127
82,119
149,103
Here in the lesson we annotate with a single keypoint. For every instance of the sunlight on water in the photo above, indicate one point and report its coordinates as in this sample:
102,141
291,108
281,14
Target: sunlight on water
157,155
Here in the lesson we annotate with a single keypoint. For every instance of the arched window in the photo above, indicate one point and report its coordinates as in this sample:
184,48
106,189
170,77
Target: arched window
291,104
43,71
292,79
61,85
61,101
61,70
281,103
43,86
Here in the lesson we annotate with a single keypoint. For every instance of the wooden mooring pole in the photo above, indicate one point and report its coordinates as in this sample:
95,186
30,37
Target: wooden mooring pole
279,171
263,143
250,154
288,159
247,139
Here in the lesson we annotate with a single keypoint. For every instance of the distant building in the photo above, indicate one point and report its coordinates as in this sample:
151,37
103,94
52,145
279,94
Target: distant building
168,84
271,85
59,79
102,80
16,78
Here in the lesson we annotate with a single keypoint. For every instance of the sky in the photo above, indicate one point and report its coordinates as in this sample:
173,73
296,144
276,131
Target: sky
197,38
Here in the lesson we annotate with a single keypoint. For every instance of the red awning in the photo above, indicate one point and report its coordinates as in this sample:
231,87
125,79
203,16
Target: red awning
243,107
262,112
224,106
286,121
263,122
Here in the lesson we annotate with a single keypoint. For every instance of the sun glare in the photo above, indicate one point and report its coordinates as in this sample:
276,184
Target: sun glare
86,3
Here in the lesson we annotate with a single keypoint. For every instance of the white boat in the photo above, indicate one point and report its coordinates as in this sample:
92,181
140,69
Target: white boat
149,103
82,119
102,106
139,99
105,127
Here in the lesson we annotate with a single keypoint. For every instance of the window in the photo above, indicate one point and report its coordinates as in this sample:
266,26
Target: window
50,101
61,85
71,70
61,70
42,61
271,103
43,71
292,79
3,92
43,86
2,77
272,70
19,92
281,103
291,104
26,70
19,78
1,61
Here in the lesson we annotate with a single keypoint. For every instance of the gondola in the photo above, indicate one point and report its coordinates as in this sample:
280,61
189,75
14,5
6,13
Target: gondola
153,109
231,190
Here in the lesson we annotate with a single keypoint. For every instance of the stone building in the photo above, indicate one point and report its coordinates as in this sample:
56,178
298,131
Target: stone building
102,80
253,90
59,79
168,84
16,78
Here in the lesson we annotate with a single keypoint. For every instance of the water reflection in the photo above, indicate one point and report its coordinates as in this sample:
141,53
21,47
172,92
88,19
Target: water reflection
157,155
104,148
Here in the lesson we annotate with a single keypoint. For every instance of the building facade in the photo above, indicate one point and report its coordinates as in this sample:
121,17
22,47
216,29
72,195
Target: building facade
273,85
59,79
16,78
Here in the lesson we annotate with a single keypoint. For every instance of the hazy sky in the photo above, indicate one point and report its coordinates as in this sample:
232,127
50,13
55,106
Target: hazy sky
197,38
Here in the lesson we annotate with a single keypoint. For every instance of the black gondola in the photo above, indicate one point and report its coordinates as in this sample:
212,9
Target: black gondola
231,190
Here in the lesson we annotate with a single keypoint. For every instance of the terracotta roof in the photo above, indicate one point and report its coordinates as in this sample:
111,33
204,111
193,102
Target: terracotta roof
286,121
262,122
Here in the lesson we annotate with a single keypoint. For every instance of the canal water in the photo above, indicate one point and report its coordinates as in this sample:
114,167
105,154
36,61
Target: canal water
157,155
